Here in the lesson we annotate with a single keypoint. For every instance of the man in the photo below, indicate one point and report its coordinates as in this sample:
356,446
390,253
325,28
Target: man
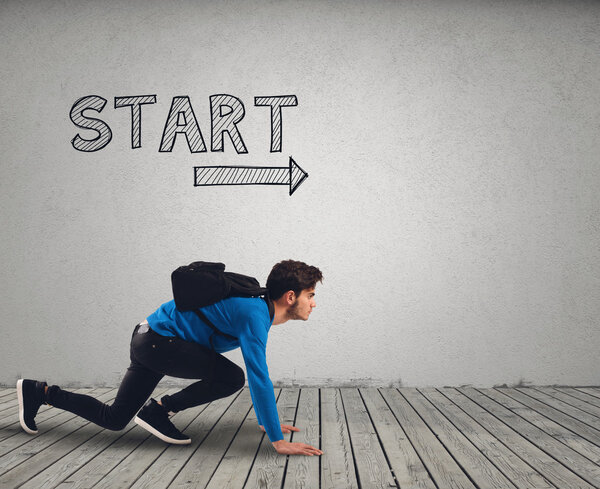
178,344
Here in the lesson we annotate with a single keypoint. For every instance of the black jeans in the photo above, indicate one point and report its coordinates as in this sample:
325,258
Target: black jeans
152,357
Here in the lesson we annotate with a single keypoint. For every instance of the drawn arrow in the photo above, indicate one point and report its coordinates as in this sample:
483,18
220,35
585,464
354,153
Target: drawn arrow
291,175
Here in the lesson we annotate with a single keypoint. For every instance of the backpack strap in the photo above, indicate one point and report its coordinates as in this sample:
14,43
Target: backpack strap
216,330
270,305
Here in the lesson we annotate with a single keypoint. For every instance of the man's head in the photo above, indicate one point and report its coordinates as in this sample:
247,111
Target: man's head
292,284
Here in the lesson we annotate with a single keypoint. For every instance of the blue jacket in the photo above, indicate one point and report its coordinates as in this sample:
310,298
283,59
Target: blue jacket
246,318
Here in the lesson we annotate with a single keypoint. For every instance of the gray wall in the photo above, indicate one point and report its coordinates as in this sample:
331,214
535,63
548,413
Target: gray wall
452,202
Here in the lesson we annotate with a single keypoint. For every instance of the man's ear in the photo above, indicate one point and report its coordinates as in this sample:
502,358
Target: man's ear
290,297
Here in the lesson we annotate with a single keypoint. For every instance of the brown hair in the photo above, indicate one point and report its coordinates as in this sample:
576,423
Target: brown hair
292,275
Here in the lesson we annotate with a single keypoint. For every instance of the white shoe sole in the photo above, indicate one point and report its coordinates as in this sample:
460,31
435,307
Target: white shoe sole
157,433
22,409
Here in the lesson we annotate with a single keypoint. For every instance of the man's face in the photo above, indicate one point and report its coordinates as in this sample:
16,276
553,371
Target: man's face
303,305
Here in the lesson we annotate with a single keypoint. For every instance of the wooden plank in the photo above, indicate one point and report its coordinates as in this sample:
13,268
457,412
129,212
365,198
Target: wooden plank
8,393
556,424
592,391
138,461
540,431
481,471
7,413
409,471
54,464
516,434
372,467
47,418
80,455
23,446
457,423
145,453
441,466
98,467
166,467
588,398
8,403
520,474
337,462
8,396
10,426
199,468
303,472
234,469
559,406
574,400
529,453
269,466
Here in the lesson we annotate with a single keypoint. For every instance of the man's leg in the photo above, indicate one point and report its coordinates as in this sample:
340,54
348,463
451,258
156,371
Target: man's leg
137,385
219,379
175,357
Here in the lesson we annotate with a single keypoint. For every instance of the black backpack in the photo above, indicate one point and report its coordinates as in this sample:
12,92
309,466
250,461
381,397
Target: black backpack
201,284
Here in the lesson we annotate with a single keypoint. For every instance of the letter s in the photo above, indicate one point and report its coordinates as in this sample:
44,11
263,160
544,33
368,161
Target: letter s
93,102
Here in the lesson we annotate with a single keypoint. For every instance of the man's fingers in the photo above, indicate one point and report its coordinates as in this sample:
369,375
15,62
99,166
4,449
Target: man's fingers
296,448
311,453
312,450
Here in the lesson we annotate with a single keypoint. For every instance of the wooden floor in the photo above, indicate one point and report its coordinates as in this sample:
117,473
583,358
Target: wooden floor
371,438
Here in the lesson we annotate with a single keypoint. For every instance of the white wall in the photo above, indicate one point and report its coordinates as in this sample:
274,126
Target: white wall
452,202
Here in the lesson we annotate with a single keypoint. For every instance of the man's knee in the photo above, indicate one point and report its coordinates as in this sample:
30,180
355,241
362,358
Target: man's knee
239,379
116,419
116,424
228,378
233,381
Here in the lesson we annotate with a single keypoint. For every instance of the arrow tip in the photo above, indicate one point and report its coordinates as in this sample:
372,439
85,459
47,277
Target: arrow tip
297,175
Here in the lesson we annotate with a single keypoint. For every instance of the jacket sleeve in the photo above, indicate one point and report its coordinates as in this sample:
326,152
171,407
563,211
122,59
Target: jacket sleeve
253,343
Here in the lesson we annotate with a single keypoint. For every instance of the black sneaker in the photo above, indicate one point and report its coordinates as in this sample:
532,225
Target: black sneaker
155,419
31,396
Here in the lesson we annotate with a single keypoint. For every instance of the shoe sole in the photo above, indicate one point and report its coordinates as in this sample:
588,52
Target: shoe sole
22,408
160,435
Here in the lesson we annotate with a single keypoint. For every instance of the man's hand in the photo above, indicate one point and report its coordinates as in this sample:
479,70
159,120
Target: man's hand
285,428
288,448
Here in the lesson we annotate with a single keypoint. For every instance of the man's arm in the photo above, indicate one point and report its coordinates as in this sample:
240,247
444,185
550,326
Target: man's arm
253,346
